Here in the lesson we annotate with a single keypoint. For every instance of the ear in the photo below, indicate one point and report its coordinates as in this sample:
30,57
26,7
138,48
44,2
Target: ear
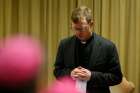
92,23
71,24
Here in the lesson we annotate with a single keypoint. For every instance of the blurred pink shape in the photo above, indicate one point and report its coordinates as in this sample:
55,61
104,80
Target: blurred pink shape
20,59
64,85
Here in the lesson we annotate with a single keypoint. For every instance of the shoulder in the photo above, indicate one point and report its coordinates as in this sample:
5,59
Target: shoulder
106,47
103,41
67,40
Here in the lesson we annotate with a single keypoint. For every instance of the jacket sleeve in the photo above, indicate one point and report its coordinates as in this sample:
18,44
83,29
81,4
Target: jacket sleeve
59,67
112,76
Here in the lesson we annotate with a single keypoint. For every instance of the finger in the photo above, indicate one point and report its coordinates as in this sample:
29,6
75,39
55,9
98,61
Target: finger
77,70
81,74
79,67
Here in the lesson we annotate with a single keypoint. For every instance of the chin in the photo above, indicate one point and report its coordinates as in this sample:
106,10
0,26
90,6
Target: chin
82,39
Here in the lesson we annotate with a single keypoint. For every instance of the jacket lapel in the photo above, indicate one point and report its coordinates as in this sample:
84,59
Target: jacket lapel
95,51
70,54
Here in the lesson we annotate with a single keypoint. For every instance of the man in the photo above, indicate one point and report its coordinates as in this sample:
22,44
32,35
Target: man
88,57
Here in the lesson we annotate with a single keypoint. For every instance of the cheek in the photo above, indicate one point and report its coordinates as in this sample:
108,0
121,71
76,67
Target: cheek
77,33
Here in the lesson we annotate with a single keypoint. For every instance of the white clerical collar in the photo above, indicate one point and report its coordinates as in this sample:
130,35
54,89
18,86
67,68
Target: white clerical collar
83,42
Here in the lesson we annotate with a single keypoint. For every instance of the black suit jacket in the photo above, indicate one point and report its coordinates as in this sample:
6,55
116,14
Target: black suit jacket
103,63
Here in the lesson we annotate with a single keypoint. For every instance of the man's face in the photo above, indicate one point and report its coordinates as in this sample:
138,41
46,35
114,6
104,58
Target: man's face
82,29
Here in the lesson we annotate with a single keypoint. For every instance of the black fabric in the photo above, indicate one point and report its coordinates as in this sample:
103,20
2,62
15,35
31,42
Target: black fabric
83,52
103,63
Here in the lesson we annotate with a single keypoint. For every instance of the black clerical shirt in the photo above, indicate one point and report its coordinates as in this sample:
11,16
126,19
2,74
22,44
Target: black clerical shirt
83,52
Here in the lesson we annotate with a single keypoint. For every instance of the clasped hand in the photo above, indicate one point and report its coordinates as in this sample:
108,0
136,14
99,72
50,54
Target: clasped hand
81,73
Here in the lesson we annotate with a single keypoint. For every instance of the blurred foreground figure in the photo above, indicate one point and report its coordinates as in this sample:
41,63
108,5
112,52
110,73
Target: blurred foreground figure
64,85
20,60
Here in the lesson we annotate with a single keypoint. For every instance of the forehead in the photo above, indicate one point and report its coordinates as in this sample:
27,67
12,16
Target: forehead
82,21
